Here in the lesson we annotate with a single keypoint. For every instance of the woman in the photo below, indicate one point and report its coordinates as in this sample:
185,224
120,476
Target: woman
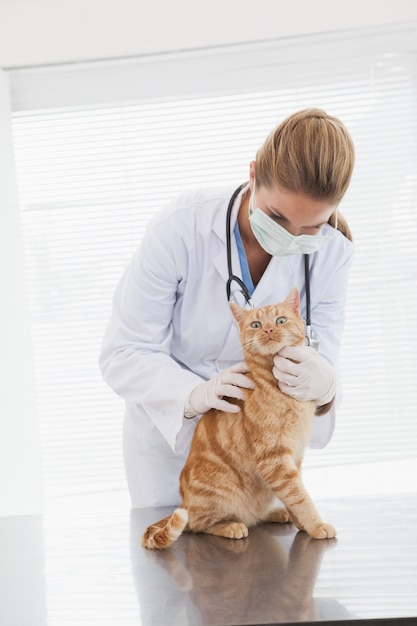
172,350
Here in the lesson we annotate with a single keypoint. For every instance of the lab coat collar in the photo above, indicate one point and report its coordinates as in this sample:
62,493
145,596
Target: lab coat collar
219,228
219,219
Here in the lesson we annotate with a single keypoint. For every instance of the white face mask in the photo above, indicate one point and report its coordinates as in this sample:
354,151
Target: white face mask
277,241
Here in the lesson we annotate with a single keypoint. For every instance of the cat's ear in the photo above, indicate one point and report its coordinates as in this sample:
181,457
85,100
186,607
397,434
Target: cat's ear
293,300
239,313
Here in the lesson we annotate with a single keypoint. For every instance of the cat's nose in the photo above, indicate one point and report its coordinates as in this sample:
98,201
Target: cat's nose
268,329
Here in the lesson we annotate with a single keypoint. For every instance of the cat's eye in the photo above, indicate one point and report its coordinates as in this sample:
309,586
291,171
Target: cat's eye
256,325
281,320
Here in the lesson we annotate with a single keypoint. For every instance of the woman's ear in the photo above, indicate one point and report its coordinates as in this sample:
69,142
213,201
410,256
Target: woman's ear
252,174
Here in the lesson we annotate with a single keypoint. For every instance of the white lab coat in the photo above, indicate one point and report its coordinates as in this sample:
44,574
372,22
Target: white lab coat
171,327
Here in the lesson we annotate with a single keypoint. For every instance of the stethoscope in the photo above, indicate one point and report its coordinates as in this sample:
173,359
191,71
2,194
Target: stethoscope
311,335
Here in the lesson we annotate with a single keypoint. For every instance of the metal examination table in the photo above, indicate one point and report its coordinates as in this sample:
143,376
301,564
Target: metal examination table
73,569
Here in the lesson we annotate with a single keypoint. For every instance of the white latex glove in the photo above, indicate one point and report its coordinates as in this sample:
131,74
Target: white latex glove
304,375
209,395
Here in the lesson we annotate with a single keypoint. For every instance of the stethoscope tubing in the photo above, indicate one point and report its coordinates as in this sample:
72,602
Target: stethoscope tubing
231,277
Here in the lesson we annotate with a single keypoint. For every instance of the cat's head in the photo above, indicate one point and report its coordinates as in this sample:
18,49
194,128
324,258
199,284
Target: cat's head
268,329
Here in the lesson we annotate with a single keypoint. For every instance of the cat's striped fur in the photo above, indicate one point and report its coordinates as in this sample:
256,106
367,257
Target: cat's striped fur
239,463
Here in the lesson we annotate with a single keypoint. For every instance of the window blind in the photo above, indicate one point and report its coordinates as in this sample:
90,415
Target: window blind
101,146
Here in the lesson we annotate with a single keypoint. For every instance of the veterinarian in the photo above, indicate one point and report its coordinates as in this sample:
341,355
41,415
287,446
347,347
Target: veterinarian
171,349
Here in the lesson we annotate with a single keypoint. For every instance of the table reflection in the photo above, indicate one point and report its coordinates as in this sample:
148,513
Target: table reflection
268,577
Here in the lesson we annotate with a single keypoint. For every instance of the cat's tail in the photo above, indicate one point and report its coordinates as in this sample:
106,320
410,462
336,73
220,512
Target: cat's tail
164,533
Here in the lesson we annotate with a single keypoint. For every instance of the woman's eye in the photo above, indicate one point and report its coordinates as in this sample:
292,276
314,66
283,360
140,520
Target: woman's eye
275,217
281,320
256,324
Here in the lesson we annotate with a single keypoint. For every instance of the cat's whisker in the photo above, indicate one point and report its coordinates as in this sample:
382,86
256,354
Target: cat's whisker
249,343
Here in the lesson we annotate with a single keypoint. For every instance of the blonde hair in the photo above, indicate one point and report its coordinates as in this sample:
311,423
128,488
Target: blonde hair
311,153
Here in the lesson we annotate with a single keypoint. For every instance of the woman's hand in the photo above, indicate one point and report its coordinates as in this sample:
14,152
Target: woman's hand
304,375
210,395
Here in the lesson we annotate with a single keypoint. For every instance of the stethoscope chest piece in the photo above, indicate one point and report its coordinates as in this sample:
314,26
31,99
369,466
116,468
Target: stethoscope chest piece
312,338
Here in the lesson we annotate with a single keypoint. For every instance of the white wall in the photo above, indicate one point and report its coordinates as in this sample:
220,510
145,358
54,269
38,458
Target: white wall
20,466
34,32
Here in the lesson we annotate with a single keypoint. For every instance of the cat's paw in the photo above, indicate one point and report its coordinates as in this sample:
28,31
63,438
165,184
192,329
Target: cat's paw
236,547
231,530
323,531
236,530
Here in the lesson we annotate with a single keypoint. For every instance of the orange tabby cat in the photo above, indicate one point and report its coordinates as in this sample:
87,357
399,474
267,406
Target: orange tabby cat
239,463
